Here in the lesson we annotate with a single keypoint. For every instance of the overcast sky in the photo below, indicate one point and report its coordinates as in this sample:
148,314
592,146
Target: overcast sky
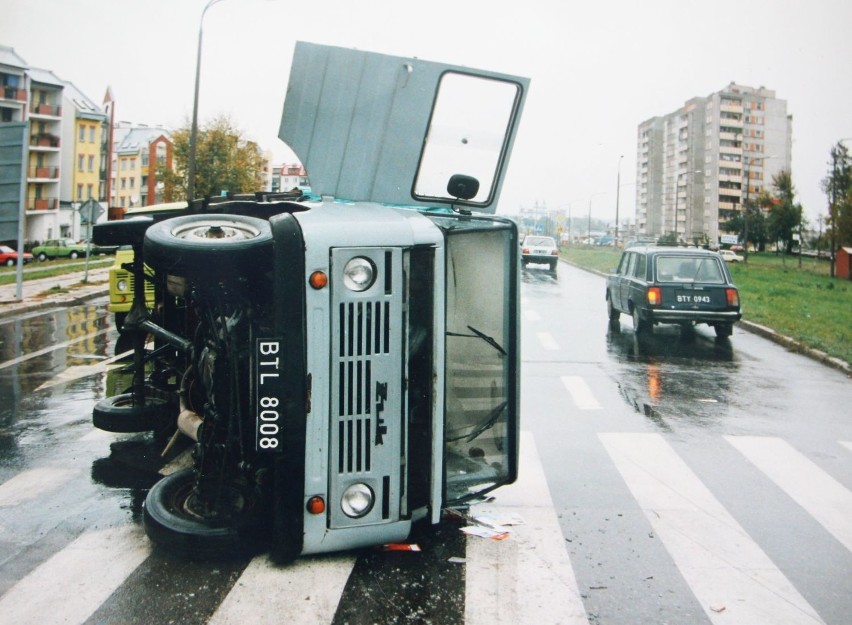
598,69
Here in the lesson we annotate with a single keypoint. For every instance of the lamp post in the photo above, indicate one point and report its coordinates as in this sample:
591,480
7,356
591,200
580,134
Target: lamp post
617,196
589,229
193,133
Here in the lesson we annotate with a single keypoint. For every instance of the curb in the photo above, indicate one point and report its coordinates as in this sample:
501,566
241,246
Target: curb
768,333
10,308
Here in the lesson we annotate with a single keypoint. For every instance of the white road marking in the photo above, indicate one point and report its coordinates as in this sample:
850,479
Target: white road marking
72,584
528,577
824,498
51,348
305,591
33,483
734,580
531,315
847,445
547,341
580,392
82,371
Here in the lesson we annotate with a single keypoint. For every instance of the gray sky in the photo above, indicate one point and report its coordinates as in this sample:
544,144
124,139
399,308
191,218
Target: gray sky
598,69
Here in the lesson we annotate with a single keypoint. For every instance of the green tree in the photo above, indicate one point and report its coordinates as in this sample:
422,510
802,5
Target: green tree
838,187
785,215
224,161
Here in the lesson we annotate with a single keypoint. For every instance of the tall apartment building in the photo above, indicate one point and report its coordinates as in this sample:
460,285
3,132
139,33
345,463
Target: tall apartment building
697,165
52,143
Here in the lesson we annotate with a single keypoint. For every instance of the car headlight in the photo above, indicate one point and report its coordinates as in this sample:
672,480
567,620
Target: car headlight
359,274
357,500
121,285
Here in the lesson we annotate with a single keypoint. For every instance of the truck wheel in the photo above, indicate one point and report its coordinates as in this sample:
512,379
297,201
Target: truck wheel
172,521
208,243
120,413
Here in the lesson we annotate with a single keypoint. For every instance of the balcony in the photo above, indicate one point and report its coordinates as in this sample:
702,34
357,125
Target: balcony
13,93
43,173
44,141
42,204
45,110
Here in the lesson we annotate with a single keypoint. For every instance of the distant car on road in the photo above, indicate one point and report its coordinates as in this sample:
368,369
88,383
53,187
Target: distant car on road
686,286
9,257
730,256
69,248
540,250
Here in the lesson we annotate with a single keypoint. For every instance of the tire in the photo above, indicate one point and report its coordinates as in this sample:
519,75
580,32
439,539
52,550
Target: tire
120,317
640,326
553,266
194,244
42,257
724,330
73,255
10,262
611,311
171,524
119,413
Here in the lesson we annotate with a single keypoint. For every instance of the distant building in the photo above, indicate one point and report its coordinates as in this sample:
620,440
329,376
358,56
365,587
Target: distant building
287,177
137,151
698,165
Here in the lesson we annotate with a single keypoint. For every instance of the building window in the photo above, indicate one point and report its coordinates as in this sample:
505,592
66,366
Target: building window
91,134
90,188
124,183
133,164
82,135
133,183
91,162
79,162
123,164
79,192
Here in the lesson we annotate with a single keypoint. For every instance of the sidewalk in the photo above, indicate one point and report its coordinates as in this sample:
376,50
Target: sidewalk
61,290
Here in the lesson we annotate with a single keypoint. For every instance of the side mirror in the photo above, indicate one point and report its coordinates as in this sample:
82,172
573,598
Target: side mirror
463,187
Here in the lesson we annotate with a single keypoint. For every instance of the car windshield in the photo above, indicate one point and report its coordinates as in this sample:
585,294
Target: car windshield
539,241
689,269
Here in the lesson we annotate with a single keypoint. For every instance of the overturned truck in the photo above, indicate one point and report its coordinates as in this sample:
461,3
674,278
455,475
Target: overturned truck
345,361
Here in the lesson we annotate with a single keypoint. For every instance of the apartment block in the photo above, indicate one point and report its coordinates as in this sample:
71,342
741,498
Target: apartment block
138,152
698,165
52,141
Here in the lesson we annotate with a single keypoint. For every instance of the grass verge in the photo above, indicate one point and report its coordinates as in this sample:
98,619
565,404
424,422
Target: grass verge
803,303
51,268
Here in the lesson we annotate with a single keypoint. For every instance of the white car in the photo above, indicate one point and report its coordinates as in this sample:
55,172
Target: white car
730,256
540,250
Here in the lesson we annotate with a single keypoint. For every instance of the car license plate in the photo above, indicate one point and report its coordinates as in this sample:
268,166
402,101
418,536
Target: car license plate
682,297
269,395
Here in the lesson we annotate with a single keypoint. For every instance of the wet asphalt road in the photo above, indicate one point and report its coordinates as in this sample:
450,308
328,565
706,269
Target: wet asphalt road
693,481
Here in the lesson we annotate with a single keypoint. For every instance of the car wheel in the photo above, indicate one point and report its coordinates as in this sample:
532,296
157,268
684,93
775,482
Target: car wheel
74,255
205,243
42,256
174,519
611,311
553,266
10,262
724,330
640,326
121,413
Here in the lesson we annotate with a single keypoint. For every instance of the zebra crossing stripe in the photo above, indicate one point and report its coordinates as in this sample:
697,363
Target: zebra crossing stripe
733,579
580,392
73,583
822,496
33,483
547,341
305,591
527,578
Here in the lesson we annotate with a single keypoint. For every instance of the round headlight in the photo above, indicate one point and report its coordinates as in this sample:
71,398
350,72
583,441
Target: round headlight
359,274
357,500
121,285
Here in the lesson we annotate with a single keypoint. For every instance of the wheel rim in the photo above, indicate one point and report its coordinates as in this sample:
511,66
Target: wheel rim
215,230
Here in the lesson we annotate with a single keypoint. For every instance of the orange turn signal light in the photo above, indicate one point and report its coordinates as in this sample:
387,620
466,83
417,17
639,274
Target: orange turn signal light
316,505
318,280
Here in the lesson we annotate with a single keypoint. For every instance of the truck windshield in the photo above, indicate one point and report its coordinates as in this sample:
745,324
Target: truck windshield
481,396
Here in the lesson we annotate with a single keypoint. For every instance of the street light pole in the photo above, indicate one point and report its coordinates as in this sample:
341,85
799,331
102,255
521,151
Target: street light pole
193,133
589,231
617,196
